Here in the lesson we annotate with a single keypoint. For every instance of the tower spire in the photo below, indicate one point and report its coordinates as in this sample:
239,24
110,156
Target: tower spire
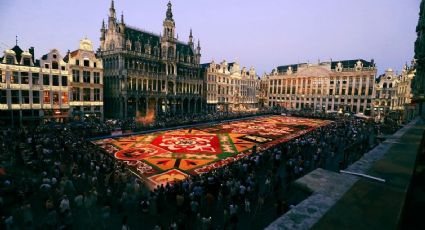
169,14
198,48
16,40
112,10
122,17
191,38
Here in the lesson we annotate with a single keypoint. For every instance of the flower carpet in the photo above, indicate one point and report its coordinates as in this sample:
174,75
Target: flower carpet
167,156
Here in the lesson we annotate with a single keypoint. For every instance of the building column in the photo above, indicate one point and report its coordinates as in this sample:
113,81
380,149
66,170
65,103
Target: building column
173,107
156,107
137,106
147,106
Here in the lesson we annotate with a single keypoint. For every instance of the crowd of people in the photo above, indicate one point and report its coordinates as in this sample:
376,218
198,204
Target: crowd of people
51,177
179,120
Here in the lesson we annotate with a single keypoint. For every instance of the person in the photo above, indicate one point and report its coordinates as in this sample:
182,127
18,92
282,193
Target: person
144,205
125,224
247,205
64,204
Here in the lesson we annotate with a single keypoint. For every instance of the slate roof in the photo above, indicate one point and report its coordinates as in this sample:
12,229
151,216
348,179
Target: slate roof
352,63
136,34
284,68
18,52
144,37
345,64
205,65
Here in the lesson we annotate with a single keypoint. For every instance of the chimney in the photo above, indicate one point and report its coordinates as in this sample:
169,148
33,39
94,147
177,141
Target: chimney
31,50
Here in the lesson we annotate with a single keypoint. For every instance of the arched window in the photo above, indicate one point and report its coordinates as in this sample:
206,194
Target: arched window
384,86
170,52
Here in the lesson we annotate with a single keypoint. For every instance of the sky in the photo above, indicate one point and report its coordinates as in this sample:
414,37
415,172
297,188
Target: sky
263,34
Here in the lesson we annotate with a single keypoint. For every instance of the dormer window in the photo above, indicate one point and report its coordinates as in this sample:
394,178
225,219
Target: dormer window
27,61
54,56
94,64
77,62
86,63
10,60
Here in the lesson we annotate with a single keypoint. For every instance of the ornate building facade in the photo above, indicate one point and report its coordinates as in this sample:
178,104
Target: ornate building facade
384,103
327,86
32,90
230,88
146,74
404,104
86,81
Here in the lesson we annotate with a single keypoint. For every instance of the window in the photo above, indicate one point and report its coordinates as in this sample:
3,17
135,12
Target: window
36,97
75,75
25,97
62,67
14,79
35,79
86,94
86,76
86,63
10,60
27,61
94,64
46,66
75,94
46,79
55,98
96,94
3,97
55,65
77,62
24,78
96,77
64,98
55,56
15,96
64,81
2,76
55,79
46,97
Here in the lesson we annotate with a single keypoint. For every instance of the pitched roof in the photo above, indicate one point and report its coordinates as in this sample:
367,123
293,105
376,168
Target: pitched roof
135,34
18,52
352,63
284,68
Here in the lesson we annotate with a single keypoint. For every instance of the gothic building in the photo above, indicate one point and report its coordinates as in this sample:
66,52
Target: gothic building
146,74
